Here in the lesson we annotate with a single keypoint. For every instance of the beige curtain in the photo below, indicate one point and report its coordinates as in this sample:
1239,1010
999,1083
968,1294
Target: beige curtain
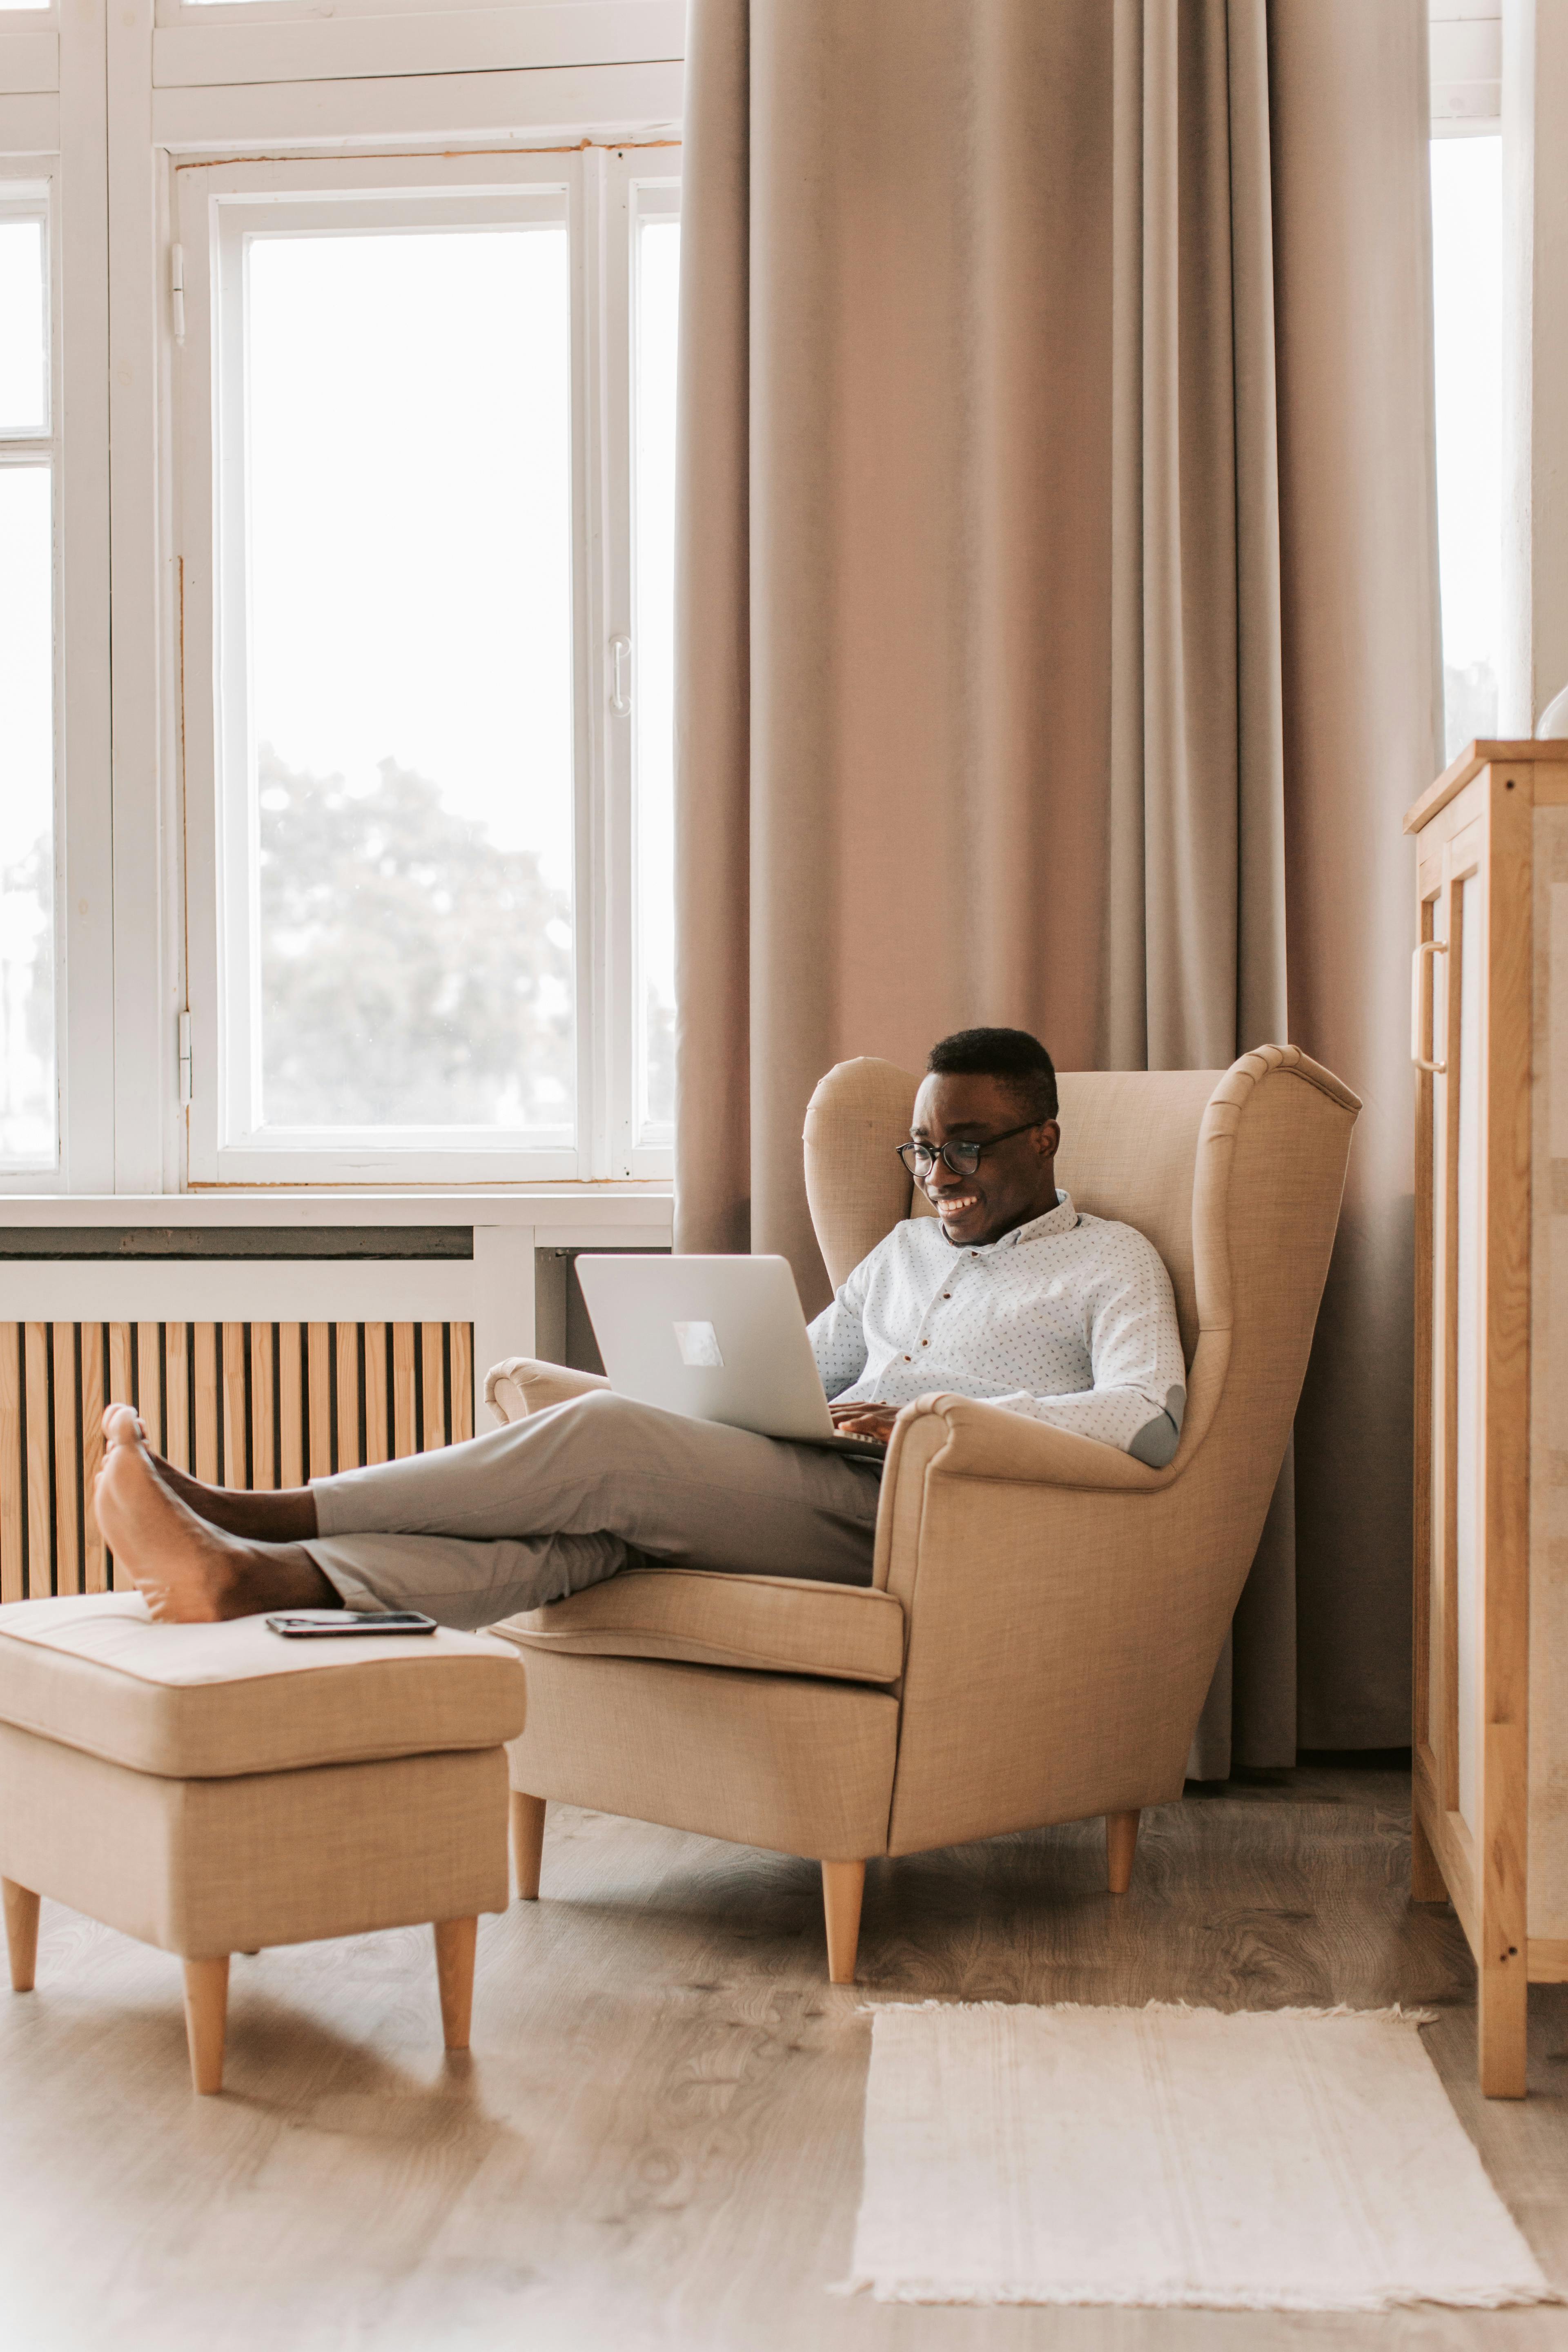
1024,533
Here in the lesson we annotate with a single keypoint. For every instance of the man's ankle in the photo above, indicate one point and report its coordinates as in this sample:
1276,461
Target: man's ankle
255,1514
283,1577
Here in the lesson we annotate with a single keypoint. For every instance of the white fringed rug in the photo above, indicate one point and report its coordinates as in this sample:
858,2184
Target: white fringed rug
1283,2160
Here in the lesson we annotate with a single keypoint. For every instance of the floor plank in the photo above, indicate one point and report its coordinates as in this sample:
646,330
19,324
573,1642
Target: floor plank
655,2141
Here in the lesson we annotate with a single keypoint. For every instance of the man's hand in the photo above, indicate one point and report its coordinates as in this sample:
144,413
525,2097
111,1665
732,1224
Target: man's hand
865,1420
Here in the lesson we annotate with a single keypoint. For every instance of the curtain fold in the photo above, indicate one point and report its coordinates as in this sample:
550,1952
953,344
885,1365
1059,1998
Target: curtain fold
994,638
1364,736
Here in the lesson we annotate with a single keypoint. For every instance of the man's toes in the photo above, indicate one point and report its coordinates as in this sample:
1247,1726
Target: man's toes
123,1427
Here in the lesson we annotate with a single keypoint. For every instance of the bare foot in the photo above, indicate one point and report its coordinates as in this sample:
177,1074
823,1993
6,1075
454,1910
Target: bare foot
285,1516
186,1572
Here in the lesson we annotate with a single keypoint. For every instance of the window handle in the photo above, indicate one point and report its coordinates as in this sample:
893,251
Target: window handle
620,676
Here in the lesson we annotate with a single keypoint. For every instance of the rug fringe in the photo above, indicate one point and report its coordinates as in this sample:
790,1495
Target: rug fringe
1395,2015
937,2291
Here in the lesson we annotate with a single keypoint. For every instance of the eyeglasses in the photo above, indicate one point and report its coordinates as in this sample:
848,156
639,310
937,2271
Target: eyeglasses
959,1158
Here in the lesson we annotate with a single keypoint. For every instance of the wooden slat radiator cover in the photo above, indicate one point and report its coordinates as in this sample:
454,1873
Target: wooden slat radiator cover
240,1404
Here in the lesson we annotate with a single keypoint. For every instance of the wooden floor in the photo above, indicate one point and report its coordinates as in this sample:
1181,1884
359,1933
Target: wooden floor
656,2140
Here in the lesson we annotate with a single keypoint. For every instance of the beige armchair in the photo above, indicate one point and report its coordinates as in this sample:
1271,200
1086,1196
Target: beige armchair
1046,1613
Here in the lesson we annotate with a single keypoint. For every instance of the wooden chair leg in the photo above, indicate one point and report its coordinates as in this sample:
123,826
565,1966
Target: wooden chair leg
1121,1846
21,1934
455,1942
206,2015
527,1842
843,1885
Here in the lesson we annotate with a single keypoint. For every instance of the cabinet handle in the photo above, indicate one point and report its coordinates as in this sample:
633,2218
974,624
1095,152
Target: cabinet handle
1421,1008
620,666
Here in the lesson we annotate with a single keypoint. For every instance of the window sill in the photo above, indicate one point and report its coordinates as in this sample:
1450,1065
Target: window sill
562,1215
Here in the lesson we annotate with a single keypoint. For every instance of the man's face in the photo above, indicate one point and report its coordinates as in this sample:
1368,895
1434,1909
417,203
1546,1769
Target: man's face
1012,1184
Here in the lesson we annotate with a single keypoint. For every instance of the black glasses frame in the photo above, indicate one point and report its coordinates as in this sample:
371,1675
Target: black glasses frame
970,1154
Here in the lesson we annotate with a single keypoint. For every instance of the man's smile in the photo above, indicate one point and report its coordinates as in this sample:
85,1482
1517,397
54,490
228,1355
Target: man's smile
954,1204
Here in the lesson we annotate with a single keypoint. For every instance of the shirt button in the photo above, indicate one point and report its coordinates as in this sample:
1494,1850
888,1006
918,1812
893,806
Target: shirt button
908,1360
947,1293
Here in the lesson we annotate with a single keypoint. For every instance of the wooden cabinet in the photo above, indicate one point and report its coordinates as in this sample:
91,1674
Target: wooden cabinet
1489,1039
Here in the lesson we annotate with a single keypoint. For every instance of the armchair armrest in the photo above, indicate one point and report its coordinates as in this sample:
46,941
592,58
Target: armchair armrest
520,1385
986,1441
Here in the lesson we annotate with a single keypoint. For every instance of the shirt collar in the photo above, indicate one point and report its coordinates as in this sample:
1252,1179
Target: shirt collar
1059,1220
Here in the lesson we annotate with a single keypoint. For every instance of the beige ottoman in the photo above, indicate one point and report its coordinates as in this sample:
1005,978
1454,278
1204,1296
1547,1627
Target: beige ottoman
214,1788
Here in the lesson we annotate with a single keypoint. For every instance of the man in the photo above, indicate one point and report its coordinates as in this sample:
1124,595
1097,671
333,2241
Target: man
1007,1293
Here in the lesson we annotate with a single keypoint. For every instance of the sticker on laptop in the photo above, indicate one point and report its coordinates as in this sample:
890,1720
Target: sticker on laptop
698,1344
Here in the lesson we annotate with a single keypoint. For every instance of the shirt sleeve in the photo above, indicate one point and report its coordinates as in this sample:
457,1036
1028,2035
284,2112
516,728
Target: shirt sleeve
837,1336
1139,1391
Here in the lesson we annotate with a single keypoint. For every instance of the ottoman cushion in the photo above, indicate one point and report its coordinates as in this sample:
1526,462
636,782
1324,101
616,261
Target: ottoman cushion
211,1702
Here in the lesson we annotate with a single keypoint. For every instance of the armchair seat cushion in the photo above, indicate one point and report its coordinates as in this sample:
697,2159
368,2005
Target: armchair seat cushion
775,1624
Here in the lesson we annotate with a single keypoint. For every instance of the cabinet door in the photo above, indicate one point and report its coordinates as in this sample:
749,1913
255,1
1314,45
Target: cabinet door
1452,980
1471,1044
1449,987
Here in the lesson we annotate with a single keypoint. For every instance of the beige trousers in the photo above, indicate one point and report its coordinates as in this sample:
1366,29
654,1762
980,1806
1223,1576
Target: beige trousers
524,1514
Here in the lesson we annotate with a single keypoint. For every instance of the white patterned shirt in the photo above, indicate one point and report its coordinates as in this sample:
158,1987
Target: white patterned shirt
1069,1320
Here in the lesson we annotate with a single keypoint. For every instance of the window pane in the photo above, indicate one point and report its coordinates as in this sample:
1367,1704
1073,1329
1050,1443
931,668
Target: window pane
24,327
653,525
1467,270
409,402
27,822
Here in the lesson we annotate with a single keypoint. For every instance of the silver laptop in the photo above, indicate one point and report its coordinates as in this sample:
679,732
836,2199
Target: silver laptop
716,1338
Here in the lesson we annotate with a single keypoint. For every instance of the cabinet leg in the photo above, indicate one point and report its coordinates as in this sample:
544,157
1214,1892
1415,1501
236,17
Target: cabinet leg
527,1842
206,2015
1426,1883
455,1942
843,1885
1121,1846
21,1934
1502,2003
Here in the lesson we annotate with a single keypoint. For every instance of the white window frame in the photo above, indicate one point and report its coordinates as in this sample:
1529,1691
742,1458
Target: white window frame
198,44
28,192
582,32
212,204
646,195
624,186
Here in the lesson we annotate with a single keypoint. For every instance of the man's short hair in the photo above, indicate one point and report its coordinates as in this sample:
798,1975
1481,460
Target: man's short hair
1011,1054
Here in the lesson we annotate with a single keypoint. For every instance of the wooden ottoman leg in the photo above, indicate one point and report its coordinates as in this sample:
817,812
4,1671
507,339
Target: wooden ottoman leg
21,1934
527,1842
207,2015
843,1885
455,1941
1121,1846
